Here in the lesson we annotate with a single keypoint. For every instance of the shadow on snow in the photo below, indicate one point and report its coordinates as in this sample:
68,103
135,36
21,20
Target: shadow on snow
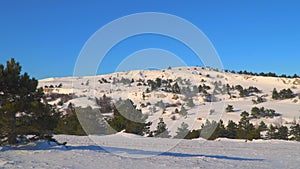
116,151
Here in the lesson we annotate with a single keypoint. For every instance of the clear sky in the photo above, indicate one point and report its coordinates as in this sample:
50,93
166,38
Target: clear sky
46,36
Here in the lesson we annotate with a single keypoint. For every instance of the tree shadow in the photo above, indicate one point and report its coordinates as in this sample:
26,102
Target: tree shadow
116,151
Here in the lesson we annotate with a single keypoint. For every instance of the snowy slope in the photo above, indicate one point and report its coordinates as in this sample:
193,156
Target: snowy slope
87,88
136,152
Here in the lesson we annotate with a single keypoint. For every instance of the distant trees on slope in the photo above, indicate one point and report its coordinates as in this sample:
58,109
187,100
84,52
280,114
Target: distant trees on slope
283,94
241,130
262,112
246,92
270,74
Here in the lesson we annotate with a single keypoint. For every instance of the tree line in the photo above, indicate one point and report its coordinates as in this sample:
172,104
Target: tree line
23,113
269,74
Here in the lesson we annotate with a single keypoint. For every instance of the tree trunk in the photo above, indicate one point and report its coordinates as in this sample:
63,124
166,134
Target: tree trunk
12,138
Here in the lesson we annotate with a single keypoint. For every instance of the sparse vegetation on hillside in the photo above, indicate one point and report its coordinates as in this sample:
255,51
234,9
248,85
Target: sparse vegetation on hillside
246,92
258,100
262,112
283,94
162,130
105,104
229,108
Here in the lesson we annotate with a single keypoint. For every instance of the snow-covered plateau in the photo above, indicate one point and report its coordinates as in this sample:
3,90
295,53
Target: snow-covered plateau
123,150
140,152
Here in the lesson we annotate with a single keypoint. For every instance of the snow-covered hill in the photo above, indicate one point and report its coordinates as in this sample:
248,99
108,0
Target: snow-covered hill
124,150
133,85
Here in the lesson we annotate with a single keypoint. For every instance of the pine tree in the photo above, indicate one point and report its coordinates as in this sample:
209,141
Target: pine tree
161,105
271,134
229,108
277,132
295,132
286,94
158,82
283,132
193,134
231,130
255,112
182,131
246,129
176,88
69,123
162,130
207,129
183,111
190,102
243,125
127,117
262,126
200,89
275,94
21,110
220,130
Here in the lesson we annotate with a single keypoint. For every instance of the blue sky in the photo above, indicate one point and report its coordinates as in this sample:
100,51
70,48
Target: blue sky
47,36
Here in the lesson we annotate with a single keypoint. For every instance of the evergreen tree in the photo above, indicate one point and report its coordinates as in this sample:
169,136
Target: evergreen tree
286,94
152,85
239,88
283,132
190,102
200,89
182,131
105,104
158,82
246,129
262,126
162,130
195,90
212,130
259,100
275,94
271,134
69,123
21,110
295,132
244,93
193,134
277,132
183,111
91,120
161,104
219,131
255,112
176,88
231,130
229,108
127,117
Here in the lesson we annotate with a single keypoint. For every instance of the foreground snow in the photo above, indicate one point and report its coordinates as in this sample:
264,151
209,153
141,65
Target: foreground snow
129,151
